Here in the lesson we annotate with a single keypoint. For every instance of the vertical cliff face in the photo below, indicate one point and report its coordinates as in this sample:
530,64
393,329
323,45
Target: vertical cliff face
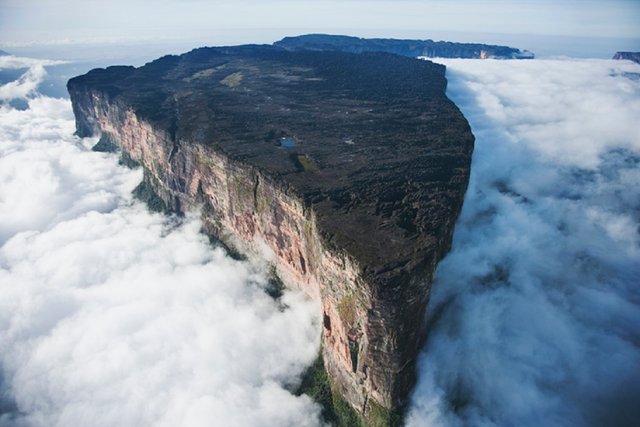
348,181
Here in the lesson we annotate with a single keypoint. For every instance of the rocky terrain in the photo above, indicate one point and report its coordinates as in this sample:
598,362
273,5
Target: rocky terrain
631,56
347,171
412,48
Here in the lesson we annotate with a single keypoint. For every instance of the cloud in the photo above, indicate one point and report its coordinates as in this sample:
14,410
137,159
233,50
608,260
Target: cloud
27,84
535,314
111,315
11,62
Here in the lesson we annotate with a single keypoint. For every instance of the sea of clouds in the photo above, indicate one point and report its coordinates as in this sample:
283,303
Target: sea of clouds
535,314
111,315
114,316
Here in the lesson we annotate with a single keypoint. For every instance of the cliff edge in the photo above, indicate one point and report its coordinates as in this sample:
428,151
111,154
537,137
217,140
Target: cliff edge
412,48
349,170
630,56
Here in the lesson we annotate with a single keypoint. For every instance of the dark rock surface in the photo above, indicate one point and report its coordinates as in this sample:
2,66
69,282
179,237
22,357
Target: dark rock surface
380,150
352,168
631,56
411,48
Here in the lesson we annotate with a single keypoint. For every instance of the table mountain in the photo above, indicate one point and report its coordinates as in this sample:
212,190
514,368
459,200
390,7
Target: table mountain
347,171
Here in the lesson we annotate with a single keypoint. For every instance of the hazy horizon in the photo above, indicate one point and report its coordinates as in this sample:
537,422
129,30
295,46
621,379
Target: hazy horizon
548,28
544,46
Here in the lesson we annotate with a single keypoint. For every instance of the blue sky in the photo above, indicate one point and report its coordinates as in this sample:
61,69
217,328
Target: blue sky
25,22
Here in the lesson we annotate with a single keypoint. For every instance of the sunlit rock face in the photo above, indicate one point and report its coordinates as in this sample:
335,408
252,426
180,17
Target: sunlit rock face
346,171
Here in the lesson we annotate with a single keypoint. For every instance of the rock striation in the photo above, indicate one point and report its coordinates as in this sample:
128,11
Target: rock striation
348,171
411,48
631,56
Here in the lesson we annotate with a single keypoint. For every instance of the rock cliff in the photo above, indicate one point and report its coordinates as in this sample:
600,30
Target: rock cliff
347,171
411,48
631,56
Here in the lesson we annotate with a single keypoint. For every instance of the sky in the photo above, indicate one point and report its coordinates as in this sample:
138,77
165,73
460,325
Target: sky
55,22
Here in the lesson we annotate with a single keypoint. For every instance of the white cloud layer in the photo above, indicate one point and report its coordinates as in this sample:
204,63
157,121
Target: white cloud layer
27,84
110,315
535,314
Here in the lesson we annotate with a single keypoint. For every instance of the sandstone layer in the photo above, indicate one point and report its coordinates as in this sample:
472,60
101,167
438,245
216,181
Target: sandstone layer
348,170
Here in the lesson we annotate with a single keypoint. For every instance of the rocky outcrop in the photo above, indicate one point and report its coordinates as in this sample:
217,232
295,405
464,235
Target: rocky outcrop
346,171
630,56
411,48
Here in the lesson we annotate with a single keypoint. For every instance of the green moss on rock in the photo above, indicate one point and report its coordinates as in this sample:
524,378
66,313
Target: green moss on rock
335,410
382,417
146,193
127,161
347,310
106,144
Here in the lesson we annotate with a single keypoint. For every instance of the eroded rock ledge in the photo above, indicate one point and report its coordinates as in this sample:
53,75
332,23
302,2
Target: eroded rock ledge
350,169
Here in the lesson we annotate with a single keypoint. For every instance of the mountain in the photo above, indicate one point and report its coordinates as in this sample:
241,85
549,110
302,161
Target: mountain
349,169
412,48
631,56
3,53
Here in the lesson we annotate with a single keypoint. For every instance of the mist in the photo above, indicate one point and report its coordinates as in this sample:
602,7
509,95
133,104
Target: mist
535,314
111,315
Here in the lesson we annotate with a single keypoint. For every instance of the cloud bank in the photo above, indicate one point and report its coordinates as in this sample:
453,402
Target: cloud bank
110,315
27,84
535,314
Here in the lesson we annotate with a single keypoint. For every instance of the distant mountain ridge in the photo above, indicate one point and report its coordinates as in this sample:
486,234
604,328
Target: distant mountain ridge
411,48
3,53
631,56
